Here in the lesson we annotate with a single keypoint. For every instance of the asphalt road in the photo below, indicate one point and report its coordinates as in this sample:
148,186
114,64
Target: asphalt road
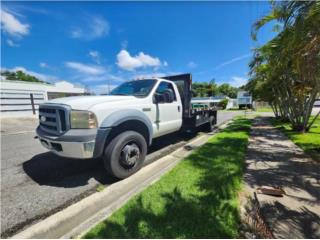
36,183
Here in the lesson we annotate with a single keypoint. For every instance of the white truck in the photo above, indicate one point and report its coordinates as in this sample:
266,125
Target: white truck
244,99
120,126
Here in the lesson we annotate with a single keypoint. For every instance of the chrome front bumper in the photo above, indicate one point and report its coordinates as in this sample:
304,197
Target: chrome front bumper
76,143
69,149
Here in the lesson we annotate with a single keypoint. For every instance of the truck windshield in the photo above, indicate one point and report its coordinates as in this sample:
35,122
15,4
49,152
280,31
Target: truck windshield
138,88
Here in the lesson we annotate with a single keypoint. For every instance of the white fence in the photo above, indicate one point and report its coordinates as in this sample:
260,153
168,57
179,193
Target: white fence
20,103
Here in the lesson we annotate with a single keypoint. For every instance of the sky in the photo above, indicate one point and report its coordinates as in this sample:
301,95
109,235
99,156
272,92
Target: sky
102,44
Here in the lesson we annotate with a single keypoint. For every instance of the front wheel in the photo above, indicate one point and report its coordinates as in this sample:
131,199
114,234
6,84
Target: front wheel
125,154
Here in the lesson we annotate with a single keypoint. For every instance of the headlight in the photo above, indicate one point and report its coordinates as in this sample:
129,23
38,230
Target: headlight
83,119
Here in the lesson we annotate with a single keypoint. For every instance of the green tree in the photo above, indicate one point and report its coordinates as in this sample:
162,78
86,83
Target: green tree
223,103
286,70
213,91
201,89
20,76
227,90
204,89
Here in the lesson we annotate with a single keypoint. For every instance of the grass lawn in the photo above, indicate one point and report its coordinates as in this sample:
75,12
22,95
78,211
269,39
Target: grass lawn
196,199
309,142
264,109
232,110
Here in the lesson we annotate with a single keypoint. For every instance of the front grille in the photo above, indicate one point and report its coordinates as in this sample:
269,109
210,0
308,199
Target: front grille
62,115
54,119
44,125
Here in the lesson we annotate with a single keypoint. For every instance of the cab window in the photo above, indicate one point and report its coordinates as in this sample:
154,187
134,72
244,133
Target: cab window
165,87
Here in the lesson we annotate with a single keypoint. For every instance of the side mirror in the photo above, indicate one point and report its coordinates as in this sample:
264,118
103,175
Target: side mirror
165,97
168,96
157,98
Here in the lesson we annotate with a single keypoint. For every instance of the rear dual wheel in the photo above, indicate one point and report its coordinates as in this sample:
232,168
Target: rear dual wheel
125,154
210,125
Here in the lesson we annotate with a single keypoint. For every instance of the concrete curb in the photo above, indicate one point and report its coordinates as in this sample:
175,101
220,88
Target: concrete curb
76,219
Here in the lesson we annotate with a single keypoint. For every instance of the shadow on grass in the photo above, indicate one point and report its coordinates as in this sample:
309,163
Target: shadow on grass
197,199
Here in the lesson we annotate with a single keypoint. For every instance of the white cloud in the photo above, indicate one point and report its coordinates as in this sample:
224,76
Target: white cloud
86,69
124,44
147,60
43,65
94,27
104,88
95,55
12,43
76,33
92,73
235,59
47,66
149,75
192,64
130,63
238,81
154,75
11,25
165,63
100,27
101,78
18,8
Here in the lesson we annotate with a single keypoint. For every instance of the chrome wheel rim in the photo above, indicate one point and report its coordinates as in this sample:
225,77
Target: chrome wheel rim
129,155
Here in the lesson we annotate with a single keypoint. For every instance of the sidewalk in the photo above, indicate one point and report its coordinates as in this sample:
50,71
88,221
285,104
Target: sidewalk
273,160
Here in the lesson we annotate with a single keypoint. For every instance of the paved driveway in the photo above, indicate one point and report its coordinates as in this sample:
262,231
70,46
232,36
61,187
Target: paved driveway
35,183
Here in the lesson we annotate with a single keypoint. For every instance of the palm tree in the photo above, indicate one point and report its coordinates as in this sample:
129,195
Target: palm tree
286,70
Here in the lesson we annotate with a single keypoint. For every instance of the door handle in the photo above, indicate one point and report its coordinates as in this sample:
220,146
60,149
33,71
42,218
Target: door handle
178,108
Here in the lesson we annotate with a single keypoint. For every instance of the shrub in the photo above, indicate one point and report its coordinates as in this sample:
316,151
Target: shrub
223,103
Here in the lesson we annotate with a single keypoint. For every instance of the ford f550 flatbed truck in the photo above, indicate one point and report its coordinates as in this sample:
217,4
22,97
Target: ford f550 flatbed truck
120,126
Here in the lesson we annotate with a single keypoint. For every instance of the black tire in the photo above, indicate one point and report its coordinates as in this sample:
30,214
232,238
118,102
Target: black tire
209,126
125,154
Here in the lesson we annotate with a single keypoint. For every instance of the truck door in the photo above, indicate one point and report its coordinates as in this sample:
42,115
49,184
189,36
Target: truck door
168,109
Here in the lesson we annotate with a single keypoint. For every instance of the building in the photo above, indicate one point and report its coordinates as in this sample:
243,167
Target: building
21,99
244,99
232,103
